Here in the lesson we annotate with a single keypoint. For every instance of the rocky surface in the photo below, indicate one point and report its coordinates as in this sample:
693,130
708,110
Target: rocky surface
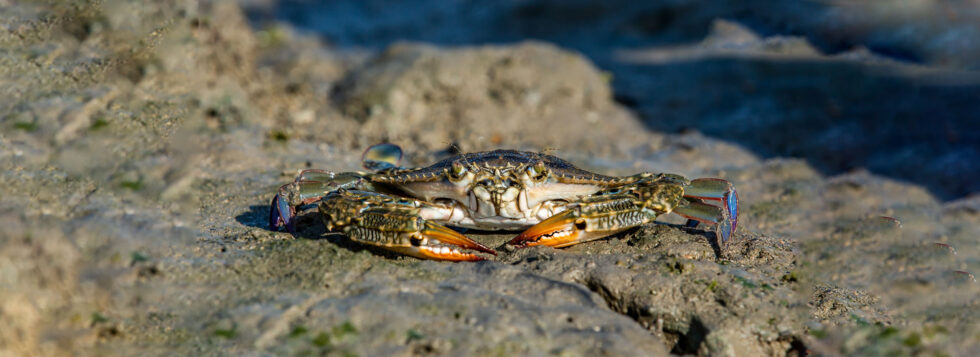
140,146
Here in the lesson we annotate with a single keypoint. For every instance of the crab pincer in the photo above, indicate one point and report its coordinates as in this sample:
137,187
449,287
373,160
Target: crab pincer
438,242
590,219
395,224
617,210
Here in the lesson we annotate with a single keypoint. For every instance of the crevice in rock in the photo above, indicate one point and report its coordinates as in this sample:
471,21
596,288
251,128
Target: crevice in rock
797,348
689,342
679,342
681,338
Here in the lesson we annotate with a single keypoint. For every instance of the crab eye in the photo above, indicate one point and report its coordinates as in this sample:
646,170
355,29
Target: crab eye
537,172
457,171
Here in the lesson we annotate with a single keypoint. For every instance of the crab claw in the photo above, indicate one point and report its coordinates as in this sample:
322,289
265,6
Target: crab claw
572,226
281,214
557,231
440,243
724,216
388,223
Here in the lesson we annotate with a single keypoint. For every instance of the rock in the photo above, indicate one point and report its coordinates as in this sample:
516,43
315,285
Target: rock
532,95
142,227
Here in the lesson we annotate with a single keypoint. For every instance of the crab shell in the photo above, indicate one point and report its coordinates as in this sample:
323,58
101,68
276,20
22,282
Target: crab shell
501,189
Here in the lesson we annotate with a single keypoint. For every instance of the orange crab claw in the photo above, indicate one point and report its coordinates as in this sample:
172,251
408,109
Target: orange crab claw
561,230
445,253
449,236
437,242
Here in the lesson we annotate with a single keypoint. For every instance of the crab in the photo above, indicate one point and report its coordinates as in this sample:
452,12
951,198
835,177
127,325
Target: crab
407,210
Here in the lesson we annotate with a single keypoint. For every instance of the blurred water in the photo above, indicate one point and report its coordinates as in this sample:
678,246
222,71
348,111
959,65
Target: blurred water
913,119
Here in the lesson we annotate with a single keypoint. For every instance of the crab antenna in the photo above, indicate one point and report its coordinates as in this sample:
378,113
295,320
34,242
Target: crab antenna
461,154
455,147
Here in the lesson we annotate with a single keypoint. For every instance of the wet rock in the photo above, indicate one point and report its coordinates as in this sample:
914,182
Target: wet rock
726,39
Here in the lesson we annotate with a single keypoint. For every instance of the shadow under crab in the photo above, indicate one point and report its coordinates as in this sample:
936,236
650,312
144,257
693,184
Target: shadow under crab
555,203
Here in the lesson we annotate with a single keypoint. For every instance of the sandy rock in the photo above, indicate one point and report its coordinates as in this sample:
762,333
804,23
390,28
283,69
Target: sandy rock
142,228
532,94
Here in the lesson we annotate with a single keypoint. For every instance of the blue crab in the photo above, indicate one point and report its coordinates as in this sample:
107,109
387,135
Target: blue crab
406,210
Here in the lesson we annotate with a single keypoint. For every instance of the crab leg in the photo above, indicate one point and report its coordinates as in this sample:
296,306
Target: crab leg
724,217
395,224
607,214
309,187
587,220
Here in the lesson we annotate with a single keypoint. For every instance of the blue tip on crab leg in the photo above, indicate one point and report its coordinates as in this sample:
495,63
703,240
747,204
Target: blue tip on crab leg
724,217
713,215
282,209
281,215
